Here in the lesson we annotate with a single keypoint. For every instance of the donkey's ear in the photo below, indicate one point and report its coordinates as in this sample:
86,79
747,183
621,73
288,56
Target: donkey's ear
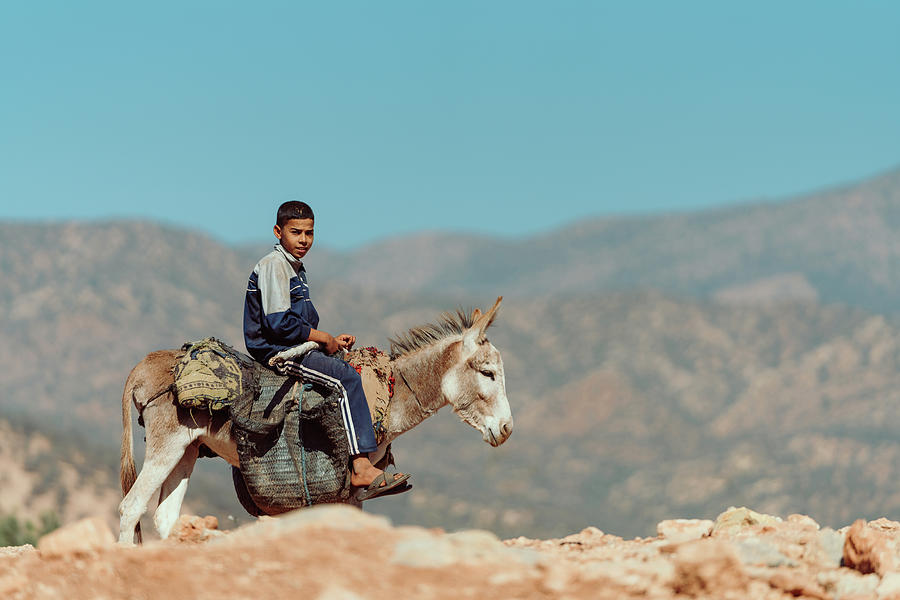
485,320
475,334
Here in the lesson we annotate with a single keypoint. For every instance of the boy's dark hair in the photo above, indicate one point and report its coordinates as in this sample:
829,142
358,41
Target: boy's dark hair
293,209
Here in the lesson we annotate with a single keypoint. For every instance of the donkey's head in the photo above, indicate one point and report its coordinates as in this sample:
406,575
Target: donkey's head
475,385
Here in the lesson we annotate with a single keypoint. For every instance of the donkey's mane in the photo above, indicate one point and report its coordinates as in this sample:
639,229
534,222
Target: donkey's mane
448,324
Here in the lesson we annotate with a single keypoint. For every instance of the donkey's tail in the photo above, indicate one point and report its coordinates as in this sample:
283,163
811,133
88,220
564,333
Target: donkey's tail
127,472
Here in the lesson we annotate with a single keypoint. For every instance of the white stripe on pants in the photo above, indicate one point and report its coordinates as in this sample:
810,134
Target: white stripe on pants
306,373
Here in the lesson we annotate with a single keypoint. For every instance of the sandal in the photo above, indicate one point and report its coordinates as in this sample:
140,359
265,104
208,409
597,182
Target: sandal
381,486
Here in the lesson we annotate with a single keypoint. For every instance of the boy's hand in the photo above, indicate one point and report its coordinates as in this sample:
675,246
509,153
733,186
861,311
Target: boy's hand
346,340
329,343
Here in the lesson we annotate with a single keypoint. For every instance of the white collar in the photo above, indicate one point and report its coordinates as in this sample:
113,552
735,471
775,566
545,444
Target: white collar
296,263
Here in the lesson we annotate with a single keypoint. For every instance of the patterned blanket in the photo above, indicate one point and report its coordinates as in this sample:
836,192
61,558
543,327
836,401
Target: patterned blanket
374,367
211,375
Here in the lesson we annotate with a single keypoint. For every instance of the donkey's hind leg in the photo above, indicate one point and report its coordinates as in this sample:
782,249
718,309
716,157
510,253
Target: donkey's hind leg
172,493
167,440
156,468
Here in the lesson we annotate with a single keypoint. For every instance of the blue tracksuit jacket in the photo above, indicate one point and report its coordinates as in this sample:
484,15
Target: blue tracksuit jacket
278,314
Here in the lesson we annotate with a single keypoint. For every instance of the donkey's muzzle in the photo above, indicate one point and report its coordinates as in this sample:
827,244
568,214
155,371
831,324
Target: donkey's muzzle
497,431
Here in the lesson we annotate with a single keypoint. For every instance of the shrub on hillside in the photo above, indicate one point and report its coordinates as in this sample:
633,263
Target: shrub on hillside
14,532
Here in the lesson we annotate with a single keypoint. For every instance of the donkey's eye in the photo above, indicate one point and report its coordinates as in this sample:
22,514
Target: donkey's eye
488,374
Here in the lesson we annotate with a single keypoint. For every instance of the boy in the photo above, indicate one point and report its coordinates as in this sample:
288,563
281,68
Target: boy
279,314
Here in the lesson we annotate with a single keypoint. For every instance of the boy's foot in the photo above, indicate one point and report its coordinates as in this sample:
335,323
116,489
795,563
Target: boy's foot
364,473
384,485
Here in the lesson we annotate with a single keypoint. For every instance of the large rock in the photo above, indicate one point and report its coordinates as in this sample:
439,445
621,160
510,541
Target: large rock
798,583
889,588
735,520
16,550
331,516
683,530
847,583
424,549
12,584
869,549
831,545
82,537
708,567
758,552
885,525
194,529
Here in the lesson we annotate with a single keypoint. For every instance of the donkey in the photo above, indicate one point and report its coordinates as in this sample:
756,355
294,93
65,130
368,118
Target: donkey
448,362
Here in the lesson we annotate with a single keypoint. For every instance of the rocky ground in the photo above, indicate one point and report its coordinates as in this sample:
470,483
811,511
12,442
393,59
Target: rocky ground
340,553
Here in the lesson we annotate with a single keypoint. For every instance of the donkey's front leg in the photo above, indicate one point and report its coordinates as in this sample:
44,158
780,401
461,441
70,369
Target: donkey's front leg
172,493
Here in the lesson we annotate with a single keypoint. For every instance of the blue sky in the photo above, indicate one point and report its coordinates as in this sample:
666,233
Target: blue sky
504,118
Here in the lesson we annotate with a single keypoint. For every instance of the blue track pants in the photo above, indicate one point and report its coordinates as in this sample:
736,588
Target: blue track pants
319,368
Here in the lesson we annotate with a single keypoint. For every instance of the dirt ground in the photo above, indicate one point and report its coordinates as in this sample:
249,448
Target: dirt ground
340,553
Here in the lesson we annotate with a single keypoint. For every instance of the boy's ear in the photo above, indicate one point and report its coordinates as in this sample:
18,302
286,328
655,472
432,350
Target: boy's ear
277,231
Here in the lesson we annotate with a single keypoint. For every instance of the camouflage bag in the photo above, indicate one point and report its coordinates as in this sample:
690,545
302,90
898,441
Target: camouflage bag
212,375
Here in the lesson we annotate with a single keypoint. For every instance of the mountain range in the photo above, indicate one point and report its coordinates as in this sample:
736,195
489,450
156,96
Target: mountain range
656,366
835,246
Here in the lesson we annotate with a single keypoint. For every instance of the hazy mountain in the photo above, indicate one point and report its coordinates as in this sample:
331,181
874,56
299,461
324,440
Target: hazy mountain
631,406
840,245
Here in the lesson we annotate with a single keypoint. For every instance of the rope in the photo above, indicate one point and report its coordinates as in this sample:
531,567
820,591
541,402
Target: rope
427,411
165,390
300,441
170,388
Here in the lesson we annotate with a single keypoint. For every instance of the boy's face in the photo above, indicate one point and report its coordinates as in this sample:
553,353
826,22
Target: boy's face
296,237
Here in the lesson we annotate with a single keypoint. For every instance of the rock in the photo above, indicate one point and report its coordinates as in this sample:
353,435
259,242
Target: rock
16,550
12,583
592,532
194,529
707,567
832,545
585,539
297,554
473,546
683,530
338,593
735,520
885,525
82,537
889,588
753,551
854,587
797,583
803,521
333,516
847,583
558,578
637,576
869,550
